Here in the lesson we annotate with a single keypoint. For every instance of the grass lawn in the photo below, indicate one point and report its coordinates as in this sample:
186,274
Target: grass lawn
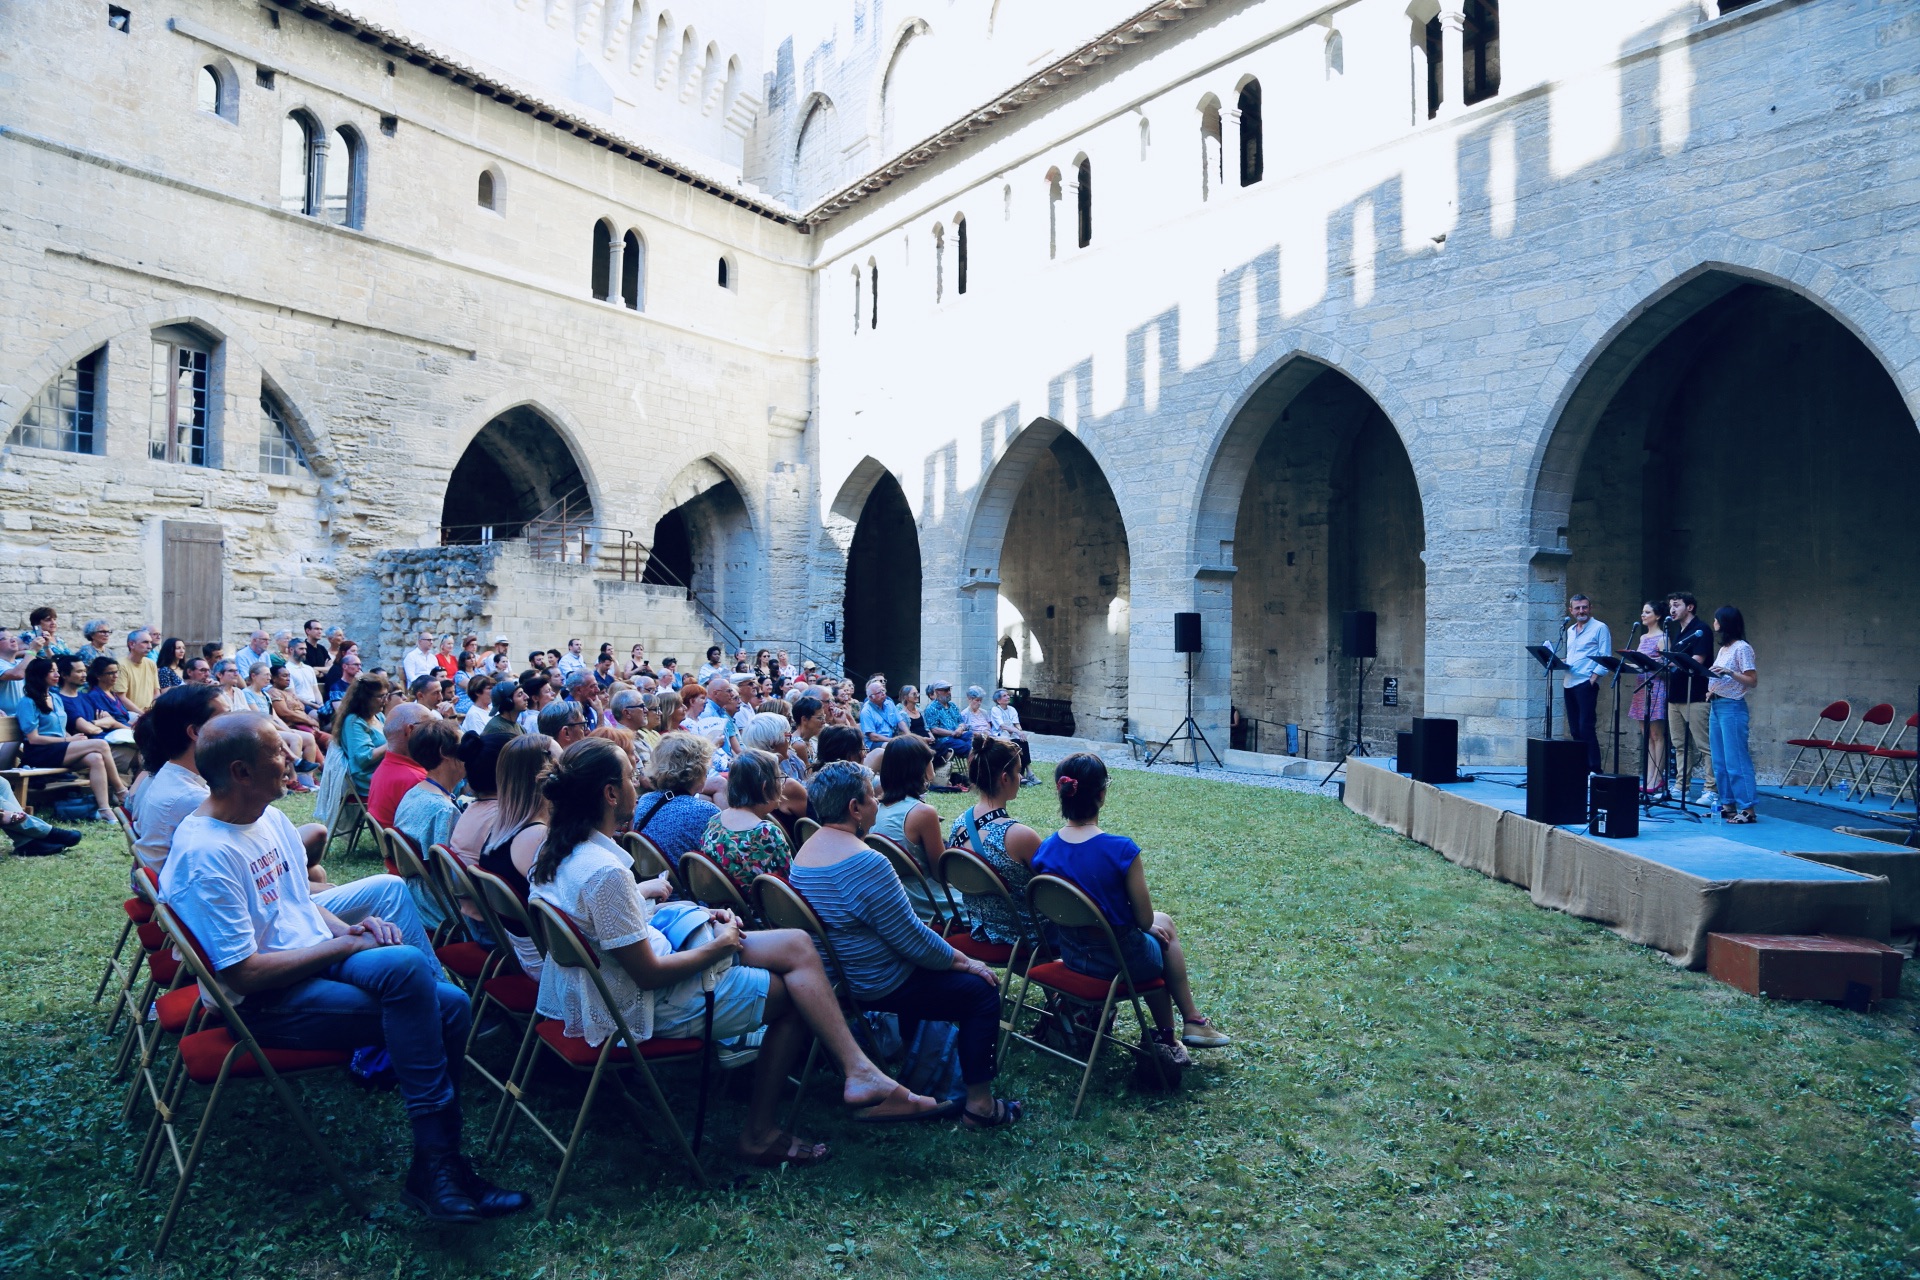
1431,1077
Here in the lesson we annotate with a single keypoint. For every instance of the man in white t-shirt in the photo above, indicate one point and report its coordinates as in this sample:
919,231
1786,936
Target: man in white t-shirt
306,979
419,660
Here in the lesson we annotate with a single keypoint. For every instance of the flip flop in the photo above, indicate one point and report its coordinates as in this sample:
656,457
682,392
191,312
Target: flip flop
866,1113
1006,1111
780,1151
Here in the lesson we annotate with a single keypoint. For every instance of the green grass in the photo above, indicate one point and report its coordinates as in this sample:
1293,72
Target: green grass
1431,1077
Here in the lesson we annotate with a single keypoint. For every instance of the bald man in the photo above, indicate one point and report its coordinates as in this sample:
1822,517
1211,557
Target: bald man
307,978
397,773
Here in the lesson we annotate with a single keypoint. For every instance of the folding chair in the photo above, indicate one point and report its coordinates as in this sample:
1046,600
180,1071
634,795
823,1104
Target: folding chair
782,907
913,875
215,1056
708,885
516,994
400,855
567,946
135,908
1853,754
1884,757
1836,713
466,959
648,861
163,973
803,831
1067,907
352,813
966,871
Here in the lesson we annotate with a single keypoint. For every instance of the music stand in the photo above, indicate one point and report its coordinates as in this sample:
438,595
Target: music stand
1690,666
1646,668
1550,662
1611,665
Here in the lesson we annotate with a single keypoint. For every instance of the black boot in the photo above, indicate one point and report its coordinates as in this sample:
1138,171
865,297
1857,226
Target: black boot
489,1200
435,1184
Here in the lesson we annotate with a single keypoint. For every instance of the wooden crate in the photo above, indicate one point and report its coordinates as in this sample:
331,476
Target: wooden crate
1794,966
1891,962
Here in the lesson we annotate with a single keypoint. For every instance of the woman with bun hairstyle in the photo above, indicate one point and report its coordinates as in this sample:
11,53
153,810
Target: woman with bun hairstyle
1109,869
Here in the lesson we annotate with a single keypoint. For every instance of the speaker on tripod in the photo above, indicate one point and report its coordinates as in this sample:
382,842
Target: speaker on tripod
1186,639
1357,627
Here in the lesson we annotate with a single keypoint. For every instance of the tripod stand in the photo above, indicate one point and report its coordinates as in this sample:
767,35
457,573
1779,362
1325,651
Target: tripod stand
1359,747
1188,732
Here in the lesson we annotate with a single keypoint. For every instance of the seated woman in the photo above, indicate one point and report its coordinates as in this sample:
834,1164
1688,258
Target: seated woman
427,813
481,817
906,771
99,706
741,839
48,745
809,720
893,963
252,696
1003,844
675,815
775,978
1006,724
520,827
1110,870
359,729
772,732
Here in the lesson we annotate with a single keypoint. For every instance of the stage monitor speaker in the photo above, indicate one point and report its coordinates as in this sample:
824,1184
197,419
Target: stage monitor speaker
1186,633
1436,751
1356,634
1556,781
1613,806
1403,752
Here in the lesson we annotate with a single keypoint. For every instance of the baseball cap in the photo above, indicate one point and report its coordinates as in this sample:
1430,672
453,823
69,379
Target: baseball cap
938,685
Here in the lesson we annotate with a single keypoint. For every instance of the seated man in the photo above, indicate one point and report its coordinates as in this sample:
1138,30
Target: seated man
950,737
288,707
396,774
306,979
880,719
139,677
563,722
509,700
31,836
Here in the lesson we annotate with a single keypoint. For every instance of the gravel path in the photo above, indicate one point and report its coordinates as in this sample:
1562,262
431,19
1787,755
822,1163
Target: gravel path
1118,758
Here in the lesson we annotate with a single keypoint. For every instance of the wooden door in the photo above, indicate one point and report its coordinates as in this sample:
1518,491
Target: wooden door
191,581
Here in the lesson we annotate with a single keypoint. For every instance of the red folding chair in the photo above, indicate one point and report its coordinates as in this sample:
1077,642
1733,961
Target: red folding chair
1892,757
710,886
214,1058
966,871
913,876
514,993
1852,753
1819,742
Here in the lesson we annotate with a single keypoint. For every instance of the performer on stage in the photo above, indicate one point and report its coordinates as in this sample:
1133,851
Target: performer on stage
1587,637
1687,695
1733,678
1649,704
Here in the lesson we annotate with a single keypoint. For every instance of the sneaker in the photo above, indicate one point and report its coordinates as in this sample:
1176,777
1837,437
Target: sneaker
1198,1033
1708,799
40,848
62,837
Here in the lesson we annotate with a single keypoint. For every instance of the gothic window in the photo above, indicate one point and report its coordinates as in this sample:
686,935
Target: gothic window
602,281
959,253
1083,193
633,272
1253,159
727,277
344,169
1481,41
180,425
489,193
280,453
64,415
217,92
302,156
1212,168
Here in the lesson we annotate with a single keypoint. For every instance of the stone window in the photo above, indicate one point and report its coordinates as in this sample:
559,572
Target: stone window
489,191
1083,198
1253,156
959,253
725,275
217,91
1335,54
65,415
181,423
1481,40
873,293
1212,165
633,272
118,19
280,453
344,172
602,282
302,158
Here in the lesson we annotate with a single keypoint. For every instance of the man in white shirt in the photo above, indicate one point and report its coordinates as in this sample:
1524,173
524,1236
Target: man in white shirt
306,979
1587,638
419,660
256,651
572,661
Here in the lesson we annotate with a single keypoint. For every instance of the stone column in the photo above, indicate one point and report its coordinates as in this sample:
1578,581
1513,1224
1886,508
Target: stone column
616,268
1453,57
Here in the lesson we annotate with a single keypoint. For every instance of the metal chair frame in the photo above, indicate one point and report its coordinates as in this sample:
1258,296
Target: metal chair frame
503,904
908,868
1814,742
968,872
398,850
1891,755
1062,902
353,808
803,830
1858,751
782,907
649,861
710,886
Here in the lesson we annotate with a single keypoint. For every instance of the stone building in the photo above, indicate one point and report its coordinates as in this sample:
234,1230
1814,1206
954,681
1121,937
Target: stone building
980,338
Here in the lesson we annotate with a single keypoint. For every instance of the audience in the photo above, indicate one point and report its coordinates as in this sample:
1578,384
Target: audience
509,701
478,692
771,978
97,634
1110,871
481,757
675,815
139,676
890,961
741,839
880,719
173,789
426,813
358,729
308,978
32,837
520,827
170,666
563,722
906,771
419,659
48,745
1006,724
254,653
1003,844
397,771
289,707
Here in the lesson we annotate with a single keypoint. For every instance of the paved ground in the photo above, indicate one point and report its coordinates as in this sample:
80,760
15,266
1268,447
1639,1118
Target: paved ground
1118,757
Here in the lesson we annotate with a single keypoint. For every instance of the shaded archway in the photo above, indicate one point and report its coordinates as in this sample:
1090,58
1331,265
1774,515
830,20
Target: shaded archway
706,543
1329,520
517,468
1064,583
1742,443
882,604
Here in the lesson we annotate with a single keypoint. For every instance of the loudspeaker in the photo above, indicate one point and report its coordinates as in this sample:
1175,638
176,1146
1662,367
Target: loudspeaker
1613,806
1403,753
1556,781
1436,751
1186,633
1356,634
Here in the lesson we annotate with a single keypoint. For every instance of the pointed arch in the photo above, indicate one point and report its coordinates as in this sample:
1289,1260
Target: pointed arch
816,149
902,85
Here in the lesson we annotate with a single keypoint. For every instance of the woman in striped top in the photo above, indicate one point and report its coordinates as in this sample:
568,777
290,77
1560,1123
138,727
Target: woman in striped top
892,962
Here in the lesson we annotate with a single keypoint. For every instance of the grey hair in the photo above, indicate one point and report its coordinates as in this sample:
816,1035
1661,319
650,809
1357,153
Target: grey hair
906,689
767,731
680,762
139,633
975,691
225,664
835,788
98,624
753,779
283,636
876,683
625,701
554,716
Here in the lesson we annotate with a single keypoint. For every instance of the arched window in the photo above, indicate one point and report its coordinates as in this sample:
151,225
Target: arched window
939,261
302,150
345,170
1336,55
217,91
180,422
725,274
1146,136
63,416
1053,213
1481,42
489,194
856,301
959,253
873,293
1253,158
280,453
1211,163
633,272
602,279
1083,192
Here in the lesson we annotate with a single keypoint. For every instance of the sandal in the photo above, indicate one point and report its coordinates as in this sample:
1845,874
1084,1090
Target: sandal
1200,1033
871,1113
1006,1111
1742,817
786,1148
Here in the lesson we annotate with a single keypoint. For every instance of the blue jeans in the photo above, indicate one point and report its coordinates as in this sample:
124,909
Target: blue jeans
387,996
384,897
1732,764
1086,951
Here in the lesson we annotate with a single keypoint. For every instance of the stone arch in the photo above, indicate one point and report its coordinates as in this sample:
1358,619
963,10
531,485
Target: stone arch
520,463
707,540
882,575
814,158
881,137
17,388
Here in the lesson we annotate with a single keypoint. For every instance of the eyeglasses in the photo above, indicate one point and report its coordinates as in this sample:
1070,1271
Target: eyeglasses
575,724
